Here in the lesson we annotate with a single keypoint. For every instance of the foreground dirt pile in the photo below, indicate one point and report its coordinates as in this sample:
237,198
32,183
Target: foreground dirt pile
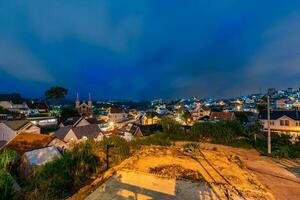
177,173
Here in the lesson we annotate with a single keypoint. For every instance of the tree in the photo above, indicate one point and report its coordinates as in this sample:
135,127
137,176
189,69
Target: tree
56,93
67,113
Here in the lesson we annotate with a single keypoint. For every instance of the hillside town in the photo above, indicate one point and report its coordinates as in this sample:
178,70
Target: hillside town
149,100
43,130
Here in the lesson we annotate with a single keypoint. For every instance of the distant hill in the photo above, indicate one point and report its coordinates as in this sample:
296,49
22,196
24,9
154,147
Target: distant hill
14,97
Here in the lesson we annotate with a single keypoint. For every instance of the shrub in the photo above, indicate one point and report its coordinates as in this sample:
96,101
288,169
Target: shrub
155,139
7,159
120,151
61,177
6,186
191,146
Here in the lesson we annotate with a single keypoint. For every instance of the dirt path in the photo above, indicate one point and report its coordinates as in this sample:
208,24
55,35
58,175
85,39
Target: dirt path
280,176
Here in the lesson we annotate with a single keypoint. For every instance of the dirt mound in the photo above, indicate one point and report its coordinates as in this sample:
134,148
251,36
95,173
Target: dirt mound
177,172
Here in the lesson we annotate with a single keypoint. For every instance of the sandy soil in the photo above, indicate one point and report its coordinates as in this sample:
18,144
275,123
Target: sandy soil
142,186
280,176
224,174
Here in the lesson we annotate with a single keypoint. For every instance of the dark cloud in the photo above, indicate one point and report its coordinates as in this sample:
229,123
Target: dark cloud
146,49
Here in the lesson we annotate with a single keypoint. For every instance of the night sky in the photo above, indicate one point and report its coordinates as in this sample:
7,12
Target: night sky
140,49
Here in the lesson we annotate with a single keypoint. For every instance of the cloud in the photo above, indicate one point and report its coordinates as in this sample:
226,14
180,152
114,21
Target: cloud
277,62
20,63
54,21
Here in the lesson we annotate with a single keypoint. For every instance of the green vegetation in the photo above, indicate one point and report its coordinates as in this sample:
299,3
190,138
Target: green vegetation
67,113
64,176
55,93
7,160
232,133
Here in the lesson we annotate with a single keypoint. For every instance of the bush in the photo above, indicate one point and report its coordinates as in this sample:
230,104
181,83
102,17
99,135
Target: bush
7,159
191,146
61,177
156,139
217,132
119,152
6,186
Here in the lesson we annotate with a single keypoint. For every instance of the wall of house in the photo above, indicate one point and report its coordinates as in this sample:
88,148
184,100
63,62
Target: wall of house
70,137
6,104
83,122
58,144
29,128
117,117
293,127
6,133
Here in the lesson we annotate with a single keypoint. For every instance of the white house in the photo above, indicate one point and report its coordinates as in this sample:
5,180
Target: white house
73,134
200,112
9,129
286,122
116,115
19,108
43,121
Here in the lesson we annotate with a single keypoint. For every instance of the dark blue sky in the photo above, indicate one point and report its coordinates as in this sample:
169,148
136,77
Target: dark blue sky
152,48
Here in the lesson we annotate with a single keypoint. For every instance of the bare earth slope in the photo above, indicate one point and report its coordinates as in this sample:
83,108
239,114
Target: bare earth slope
175,173
280,176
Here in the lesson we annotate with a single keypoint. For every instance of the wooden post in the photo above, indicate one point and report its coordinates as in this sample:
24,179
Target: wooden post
107,155
269,127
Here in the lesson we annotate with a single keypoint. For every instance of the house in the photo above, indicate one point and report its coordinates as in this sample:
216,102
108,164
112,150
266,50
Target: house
80,121
143,130
120,133
116,114
10,129
43,121
36,108
32,159
150,118
283,104
286,122
200,112
84,109
73,134
161,109
24,142
296,104
19,108
74,122
222,116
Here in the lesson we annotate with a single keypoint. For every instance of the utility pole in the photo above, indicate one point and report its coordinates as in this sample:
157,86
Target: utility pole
269,126
107,155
